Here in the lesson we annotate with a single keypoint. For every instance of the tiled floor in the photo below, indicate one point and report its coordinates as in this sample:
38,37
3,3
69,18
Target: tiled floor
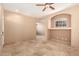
38,48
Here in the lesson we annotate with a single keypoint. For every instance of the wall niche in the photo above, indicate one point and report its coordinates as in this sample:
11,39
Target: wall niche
60,28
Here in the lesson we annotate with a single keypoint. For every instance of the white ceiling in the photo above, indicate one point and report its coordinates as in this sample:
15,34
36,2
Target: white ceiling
31,9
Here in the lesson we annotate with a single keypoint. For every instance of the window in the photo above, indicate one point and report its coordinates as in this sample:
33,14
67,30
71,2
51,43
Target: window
61,24
60,21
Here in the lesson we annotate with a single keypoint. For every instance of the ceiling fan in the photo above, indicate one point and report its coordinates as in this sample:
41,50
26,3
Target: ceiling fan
46,5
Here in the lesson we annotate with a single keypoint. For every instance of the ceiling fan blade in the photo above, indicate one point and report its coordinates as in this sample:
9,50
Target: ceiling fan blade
49,3
40,4
44,9
51,7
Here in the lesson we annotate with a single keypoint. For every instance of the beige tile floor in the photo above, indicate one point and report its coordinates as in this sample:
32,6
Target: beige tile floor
38,48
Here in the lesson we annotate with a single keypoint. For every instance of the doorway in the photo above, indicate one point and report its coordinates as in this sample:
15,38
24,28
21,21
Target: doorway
40,30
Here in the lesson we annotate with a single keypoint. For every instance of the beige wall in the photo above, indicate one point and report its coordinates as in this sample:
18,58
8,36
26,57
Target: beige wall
18,28
0,23
1,26
74,11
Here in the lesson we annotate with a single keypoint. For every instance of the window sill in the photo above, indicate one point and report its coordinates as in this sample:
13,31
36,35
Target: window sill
58,28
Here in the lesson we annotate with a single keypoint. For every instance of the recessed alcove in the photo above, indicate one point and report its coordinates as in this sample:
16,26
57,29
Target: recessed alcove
60,28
